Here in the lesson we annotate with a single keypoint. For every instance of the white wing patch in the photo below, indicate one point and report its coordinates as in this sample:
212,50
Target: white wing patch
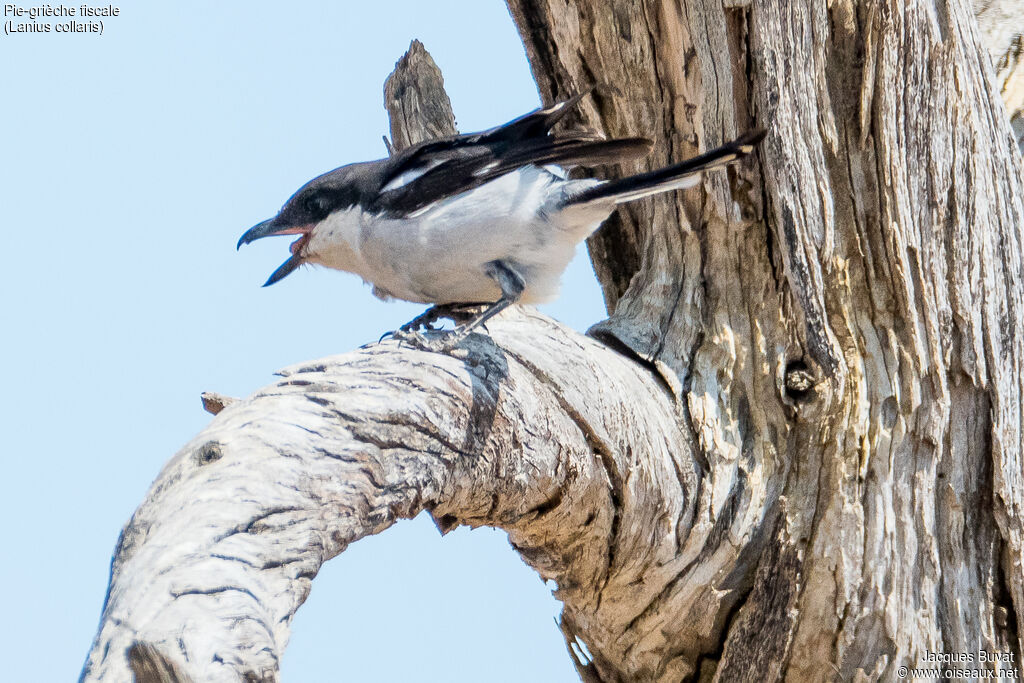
410,175
480,172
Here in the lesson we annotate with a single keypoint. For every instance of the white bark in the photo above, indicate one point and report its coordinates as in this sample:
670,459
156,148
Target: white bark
530,434
1002,24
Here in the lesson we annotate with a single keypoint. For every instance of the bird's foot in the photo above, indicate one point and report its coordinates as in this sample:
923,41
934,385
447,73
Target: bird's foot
459,314
420,332
410,332
438,341
424,321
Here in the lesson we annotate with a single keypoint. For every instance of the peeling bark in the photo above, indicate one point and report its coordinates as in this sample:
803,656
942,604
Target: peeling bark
530,435
794,450
878,255
417,103
1002,25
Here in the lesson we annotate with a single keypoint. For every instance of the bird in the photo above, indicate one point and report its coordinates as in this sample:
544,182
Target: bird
472,223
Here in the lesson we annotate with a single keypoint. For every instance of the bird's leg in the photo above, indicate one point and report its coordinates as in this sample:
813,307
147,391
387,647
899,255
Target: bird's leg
456,312
511,285
425,319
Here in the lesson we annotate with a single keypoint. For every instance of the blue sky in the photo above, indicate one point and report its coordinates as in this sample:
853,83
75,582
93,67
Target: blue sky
131,163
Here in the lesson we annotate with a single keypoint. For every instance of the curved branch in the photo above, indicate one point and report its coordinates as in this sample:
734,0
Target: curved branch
530,435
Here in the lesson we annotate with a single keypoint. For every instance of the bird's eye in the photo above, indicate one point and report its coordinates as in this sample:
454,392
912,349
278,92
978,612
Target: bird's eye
317,205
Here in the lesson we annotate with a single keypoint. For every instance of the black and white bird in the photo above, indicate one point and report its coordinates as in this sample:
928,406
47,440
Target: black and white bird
486,219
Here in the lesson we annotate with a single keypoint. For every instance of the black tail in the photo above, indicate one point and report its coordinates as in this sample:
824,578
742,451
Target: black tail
538,123
675,177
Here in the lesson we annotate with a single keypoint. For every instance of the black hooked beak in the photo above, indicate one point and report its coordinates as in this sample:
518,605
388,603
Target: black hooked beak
273,227
260,230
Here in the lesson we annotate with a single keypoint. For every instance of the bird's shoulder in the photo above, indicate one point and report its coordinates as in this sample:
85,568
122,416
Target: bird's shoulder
434,170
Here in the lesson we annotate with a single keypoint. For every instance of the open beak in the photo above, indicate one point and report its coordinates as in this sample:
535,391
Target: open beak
285,269
270,228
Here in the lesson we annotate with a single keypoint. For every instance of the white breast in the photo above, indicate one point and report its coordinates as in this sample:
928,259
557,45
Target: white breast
438,255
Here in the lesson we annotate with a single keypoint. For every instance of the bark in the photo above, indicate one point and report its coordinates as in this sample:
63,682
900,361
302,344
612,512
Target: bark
416,101
1002,25
792,452
844,328
531,435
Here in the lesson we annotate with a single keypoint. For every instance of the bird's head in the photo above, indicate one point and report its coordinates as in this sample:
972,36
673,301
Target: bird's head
317,203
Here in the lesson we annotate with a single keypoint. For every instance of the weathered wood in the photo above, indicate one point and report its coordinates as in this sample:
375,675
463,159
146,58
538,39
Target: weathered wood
529,434
803,458
1002,25
149,666
879,253
417,104
213,402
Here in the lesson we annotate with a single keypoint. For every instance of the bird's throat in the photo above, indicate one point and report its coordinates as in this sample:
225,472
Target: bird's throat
300,244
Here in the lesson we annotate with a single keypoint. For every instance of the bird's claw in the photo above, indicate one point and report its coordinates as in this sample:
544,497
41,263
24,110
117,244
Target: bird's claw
426,320
407,333
420,332
440,342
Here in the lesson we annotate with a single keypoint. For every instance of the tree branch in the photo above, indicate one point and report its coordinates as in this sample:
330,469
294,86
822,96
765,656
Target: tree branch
530,435
417,103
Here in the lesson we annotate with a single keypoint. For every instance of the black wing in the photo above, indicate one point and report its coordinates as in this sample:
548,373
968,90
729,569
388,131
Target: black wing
437,169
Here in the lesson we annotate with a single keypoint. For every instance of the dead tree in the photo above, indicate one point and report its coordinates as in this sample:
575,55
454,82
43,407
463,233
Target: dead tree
793,451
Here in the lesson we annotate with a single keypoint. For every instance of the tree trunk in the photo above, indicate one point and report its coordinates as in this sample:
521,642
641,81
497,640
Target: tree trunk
1001,25
796,454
